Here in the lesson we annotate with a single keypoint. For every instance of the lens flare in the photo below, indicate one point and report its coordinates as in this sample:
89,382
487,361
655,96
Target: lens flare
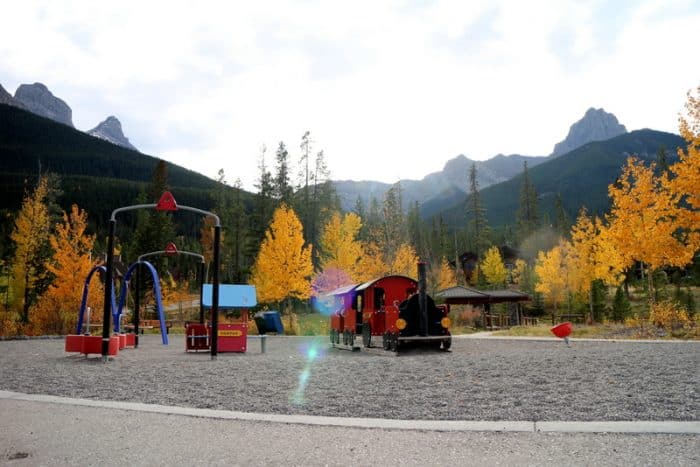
311,352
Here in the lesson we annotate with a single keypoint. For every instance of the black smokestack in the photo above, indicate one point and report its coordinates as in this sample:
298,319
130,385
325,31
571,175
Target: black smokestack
422,300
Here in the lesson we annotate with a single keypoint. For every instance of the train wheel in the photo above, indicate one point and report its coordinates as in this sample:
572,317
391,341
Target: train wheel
394,343
386,341
447,343
366,335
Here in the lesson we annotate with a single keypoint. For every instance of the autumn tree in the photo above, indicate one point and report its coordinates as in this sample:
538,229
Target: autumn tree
551,274
405,261
493,269
685,180
56,311
645,220
372,264
31,238
444,277
339,246
592,257
283,268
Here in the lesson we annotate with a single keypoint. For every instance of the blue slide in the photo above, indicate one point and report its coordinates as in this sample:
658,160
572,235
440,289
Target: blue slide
117,312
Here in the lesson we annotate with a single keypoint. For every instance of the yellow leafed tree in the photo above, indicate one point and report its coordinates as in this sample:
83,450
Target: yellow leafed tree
551,275
592,256
283,267
30,236
57,309
339,246
406,261
493,269
685,183
644,220
371,265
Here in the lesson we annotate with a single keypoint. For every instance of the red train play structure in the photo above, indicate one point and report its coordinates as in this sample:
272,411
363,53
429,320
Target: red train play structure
394,310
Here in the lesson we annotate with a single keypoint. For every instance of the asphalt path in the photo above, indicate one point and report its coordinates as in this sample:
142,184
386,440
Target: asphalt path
51,433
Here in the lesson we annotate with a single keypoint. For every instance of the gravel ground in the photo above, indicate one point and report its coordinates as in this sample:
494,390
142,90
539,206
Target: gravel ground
479,379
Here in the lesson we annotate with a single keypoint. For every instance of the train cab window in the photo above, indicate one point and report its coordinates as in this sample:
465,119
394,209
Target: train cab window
378,298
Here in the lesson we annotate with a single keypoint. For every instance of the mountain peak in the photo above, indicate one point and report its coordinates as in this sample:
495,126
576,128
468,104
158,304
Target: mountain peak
596,125
111,130
7,99
39,100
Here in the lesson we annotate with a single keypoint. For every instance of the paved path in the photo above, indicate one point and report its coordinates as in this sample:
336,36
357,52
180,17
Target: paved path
48,430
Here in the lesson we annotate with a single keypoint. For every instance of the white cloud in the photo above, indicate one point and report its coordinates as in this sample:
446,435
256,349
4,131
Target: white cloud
388,89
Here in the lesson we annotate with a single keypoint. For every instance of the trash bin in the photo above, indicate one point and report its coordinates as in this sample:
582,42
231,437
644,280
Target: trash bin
269,321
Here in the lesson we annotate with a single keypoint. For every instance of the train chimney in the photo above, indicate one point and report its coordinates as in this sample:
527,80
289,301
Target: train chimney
422,299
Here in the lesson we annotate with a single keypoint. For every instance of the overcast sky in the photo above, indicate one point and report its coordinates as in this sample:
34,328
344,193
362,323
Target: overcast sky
388,89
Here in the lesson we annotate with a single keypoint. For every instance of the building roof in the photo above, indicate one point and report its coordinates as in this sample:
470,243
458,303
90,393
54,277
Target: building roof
466,295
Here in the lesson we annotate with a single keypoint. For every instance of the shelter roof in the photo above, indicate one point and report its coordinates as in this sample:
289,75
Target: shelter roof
466,295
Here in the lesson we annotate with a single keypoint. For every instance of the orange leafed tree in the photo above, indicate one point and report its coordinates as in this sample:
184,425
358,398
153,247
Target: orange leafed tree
445,277
56,311
283,267
30,236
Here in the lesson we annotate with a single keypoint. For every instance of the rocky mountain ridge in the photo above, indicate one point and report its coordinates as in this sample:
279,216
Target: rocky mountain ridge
111,130
38,99
453,179
596,125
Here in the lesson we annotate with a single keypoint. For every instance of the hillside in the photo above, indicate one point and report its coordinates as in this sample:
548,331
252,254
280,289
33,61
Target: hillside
97,175
581,177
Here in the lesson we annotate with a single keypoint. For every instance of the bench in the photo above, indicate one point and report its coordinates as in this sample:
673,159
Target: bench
149,324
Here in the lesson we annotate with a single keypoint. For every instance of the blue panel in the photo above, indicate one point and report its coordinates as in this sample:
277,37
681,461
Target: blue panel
231,296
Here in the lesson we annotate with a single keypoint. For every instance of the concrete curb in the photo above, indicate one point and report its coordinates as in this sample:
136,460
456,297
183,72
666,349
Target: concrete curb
644,426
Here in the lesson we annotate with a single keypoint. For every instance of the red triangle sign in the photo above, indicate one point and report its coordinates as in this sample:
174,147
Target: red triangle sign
166,202
170,249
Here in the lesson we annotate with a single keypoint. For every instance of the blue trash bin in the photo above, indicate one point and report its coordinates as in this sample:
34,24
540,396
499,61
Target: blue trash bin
269,321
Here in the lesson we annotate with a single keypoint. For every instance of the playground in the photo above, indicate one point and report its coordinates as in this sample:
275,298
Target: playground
480,379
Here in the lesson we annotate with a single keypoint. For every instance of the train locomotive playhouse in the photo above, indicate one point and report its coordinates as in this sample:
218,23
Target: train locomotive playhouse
394,309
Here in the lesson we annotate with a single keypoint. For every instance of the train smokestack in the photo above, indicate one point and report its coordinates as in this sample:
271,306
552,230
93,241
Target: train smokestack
422,299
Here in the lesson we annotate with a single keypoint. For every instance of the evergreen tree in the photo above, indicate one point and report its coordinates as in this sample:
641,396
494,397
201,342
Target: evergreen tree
598,297
282,185
561,220
393,224
264,204
476,213
527,212
154,229
621,306
415,231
